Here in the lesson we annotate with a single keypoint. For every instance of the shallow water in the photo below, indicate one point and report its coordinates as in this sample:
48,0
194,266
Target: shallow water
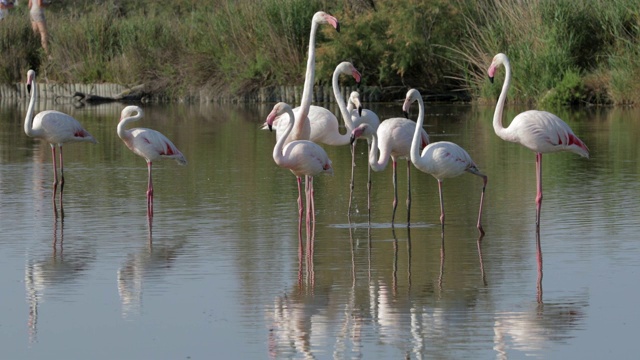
219,269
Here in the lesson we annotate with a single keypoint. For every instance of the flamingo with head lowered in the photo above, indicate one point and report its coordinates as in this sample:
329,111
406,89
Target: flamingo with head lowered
148,143
56,128
539,131
361,116
442,159
391,140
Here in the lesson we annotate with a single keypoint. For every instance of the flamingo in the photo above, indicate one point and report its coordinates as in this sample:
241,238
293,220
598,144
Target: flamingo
302,157
538,131
442,159
361,116
148,143
56,128
306,113
392,139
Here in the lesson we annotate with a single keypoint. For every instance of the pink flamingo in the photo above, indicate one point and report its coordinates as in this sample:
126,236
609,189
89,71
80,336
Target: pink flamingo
53,127
442,159
392,139
302,157
361,116
539,131
148,143
306,113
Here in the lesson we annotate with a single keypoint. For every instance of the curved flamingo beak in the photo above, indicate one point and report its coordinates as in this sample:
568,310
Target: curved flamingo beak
491,72
359,110
356,75
333,21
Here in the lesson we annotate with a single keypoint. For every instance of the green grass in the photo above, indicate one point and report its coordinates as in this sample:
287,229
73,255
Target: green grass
562,51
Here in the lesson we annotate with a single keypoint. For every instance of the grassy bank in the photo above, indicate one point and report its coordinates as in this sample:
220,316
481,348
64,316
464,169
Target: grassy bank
562,51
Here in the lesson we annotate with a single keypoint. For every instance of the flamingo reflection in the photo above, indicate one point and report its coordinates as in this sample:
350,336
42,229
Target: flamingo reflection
52,274
531,330
152,262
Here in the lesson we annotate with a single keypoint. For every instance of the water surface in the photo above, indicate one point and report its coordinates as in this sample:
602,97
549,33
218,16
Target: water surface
219,269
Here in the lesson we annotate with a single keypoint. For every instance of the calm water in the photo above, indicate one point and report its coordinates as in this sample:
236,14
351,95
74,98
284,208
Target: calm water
219,271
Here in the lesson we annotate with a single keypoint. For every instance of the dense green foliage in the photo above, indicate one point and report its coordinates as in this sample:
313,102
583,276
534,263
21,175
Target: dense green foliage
562,51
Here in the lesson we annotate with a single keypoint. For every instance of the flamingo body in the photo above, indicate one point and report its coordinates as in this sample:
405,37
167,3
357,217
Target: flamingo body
301,157
56,128
442,159
147,143
305,112
392,140
539,131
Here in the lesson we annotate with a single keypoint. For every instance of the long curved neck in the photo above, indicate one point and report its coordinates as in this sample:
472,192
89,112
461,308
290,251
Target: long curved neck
309,80
278,156
346,116
497,115
417,135
122,131
377,161
28,120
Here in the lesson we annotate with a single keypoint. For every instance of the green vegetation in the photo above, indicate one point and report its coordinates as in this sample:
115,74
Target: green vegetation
562,51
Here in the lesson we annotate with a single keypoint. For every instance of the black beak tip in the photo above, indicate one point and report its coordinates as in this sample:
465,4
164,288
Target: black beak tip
29,88
359,110
406,114
270,127
338,27
353,138
491,79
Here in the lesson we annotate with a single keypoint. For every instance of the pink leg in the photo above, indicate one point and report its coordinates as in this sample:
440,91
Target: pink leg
395,191
61,181
484,185
441,205
408,192
308,204
313,205
55,178
149,192
368,189
353,167
300,210
539,187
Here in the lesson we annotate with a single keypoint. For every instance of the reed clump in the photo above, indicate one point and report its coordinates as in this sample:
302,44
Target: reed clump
562,51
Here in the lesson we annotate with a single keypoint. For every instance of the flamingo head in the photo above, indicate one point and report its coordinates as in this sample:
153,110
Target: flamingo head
129,111
354,98
498,60
362,130
412,95
323,18
31,76
279,109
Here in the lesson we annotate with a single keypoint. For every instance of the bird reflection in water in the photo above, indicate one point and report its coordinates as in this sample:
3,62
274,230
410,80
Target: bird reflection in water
531,330
50,274
152,262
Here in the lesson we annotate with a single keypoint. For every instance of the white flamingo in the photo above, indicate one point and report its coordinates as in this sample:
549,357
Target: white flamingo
306,113
147,143
442,159
54,127
361,116
391,140
538,131
302,157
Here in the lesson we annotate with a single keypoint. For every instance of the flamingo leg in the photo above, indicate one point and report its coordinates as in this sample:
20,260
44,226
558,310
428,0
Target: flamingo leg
61,180
300,210
408,192
149,192
55,178
539,187
353,167
441,204
369,187
484,185
308,203
313,203
395,191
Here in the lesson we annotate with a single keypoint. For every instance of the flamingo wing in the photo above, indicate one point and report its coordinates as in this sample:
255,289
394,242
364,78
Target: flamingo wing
151,145
444,159
306,158
59,128
544,132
